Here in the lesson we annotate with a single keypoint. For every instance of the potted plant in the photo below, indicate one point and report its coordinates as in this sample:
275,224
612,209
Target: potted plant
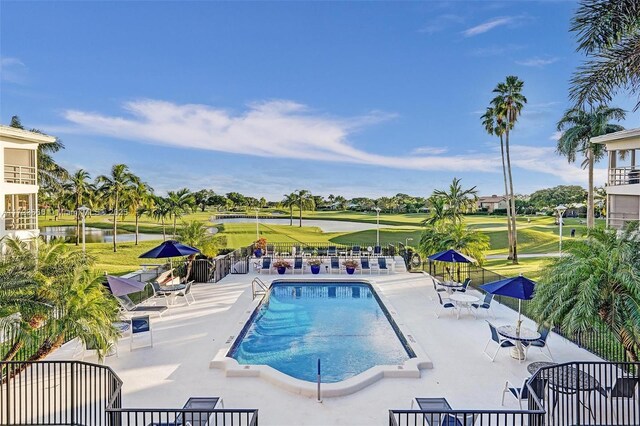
315,265
350,265
282,265
260,246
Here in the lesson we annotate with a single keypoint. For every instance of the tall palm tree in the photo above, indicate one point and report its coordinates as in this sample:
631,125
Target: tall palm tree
457,199
494,125
508,104
179,202
160,211
608,32
438,212
79,188
289,201
139,199
113,188
304,199
594,283
578,127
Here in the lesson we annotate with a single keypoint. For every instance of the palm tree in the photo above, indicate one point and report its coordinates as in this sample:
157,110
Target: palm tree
179,202
456,236
160,211
594,283
438,212
608,31
79,188
113,189
304,199
578,128
139,199
494,125
457,199
508,104
289,201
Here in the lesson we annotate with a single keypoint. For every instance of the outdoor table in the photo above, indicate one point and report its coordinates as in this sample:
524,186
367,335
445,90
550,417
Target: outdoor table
450,285
526,335
464,301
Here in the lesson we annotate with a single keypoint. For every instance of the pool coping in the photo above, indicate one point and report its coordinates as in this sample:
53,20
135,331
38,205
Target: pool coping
411,368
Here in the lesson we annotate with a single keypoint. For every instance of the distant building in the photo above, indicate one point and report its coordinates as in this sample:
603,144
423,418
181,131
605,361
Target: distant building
19,182
491,203
623,182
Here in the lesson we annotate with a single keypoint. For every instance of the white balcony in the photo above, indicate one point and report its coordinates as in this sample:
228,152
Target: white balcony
23,175
20,220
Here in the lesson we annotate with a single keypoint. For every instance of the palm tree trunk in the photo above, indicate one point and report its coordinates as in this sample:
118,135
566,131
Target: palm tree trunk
175,218
14,350
45,349
514,232
77,221
590,214
136,213
115,223
506,194
300,226
291,215
164,235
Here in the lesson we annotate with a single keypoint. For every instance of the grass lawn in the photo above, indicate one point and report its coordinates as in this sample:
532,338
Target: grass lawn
530,267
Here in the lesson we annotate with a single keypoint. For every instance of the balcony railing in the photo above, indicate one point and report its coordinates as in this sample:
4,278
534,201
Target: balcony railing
624,176
24,175
80,393
575,393
20,220
620,220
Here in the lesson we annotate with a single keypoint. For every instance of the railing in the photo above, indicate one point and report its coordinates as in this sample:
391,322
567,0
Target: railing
81,393
20,220
236,262
320,249
258,287
576,393
24,175
620,220
624,176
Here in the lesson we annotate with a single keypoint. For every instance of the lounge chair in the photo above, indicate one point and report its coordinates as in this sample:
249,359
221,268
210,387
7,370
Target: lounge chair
266,264
522,393
623,388
195,417
541,343
445,305
332,251
129,307
364,265
486,304
377,251
465,284
355,251
382,264
335,264
437,416
269,250
502,342
298,265
185,292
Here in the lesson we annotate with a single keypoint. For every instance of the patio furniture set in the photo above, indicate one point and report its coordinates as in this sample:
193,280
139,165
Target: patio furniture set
332,264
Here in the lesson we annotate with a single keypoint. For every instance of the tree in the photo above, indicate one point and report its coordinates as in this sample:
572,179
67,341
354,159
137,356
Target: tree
196,234
445,236
561,194
289,201
79,188
160,211
304,199
179,203
202,198
113,188
609,32
438,212
139,199
594,283
494,124
508,104
237,198
457,199
578,127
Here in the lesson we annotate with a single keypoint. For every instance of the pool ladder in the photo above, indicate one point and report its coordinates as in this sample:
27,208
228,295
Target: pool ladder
258,287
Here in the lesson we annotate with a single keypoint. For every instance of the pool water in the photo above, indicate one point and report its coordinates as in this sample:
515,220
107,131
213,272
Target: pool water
342,324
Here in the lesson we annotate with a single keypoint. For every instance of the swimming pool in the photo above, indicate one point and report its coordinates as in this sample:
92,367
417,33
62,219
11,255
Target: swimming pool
344,324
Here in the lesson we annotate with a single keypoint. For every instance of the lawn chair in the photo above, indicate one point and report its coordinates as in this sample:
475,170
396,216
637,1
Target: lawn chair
465,284
186,292
355,251
377,251
159,293
437,413
270,250
332,251
522,393
298,265
266,265
364,265
623,388
129,307
445,305
382,265
541,343
335,264
502,342
195,417
486,304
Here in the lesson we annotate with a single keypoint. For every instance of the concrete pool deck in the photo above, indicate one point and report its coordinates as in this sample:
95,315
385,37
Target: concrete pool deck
187,338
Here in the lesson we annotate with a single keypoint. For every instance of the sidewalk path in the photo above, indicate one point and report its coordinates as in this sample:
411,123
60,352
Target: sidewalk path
524,256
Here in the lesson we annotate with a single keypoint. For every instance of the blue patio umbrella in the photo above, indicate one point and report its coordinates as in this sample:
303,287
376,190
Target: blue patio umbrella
168,249
452,256
120,286
519,287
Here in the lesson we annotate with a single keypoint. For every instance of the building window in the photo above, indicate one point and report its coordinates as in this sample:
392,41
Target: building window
20,166
20,212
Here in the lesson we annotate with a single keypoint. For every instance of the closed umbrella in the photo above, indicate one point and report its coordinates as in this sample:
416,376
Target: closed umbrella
519,287
121,286
169,249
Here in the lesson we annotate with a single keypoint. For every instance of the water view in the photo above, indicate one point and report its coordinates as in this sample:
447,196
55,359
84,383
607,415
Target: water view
93,235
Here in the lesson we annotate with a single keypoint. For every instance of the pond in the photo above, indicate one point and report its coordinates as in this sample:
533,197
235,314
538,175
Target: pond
92,235
325,225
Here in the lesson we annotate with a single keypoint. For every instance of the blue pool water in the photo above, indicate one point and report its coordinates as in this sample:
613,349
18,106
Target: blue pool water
343,324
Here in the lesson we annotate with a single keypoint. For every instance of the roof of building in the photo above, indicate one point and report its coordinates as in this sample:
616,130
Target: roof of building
491,199
25,135
623,134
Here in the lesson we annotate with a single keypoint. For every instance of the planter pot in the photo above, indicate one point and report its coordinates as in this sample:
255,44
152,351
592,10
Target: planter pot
315,269
282,270
350,271
257,252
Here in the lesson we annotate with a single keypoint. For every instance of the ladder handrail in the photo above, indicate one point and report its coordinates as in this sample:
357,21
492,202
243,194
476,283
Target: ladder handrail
263,287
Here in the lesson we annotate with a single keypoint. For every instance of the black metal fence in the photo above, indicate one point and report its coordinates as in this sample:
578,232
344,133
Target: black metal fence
321,249
183,416
576,393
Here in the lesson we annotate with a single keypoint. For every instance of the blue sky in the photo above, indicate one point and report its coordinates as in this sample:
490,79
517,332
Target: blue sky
352,98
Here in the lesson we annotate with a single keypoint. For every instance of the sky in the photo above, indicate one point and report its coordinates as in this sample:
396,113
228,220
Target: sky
263,98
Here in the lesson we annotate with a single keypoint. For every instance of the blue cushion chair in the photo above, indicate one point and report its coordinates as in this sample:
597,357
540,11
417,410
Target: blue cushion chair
501,342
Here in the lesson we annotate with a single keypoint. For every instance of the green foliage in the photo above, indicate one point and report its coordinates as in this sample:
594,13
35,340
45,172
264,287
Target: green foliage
196,234
454,236
562,194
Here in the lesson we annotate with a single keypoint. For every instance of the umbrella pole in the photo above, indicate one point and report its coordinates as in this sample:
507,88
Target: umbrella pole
519,316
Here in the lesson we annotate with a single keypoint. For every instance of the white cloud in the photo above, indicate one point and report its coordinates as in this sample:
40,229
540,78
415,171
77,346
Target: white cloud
555,136
496,50
441,23
537,62
13,70
488,26
429,150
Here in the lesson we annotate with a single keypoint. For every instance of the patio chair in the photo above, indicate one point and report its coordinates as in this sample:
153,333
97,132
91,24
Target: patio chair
445,305
186,292
364,265
355,251
335,264
522,393
141,324
129,307
541,343
623,388
195,418
266,265
435,405
298,265
382,265
332,251
486,304
296,250
465,284
501,342
159,293
377,251
270,249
